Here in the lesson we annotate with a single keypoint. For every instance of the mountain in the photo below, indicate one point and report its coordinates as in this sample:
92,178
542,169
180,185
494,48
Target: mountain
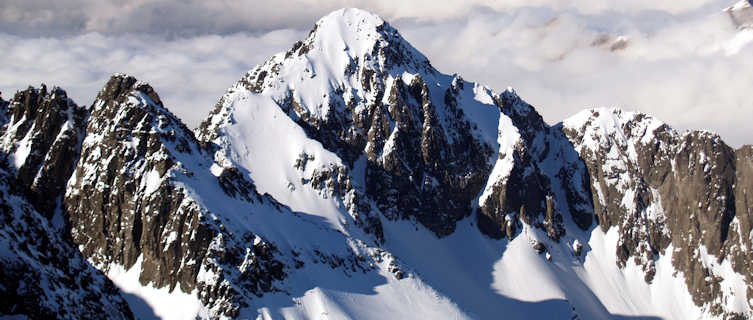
43,274
348,178
741,14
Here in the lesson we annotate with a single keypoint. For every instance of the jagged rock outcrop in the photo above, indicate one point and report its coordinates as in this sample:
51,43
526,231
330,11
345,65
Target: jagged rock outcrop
537,179
43,274
41,136
131,199
116,199
418,167
665,190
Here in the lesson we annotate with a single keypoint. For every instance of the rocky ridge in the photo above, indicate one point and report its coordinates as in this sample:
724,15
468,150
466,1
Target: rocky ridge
44,275
132,198
663,189
427,156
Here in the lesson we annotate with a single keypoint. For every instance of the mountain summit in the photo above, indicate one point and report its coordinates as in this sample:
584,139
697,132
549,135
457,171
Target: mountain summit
348,178
349,35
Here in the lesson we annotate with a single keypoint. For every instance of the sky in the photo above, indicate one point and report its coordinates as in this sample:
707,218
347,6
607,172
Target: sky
682,61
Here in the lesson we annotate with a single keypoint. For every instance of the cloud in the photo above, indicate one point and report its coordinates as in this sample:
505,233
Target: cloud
199,17
681,61
189,74
688,70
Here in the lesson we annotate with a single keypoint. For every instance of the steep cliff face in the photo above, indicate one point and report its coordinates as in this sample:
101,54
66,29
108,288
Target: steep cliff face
538,179
41,136
115,201
43,274
740,237
665,190
133,199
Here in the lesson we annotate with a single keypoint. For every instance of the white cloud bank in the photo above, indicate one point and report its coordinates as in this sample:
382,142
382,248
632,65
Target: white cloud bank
681,61
191,17
692,72
189,74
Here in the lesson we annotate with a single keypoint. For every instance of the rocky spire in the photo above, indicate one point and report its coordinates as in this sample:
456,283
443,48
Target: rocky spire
41,137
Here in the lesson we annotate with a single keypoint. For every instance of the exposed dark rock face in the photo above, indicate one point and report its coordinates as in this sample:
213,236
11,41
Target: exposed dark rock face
126,204
429,171
110,198
546,178
699,203
740,236
43,274
41,135
614,171
661,188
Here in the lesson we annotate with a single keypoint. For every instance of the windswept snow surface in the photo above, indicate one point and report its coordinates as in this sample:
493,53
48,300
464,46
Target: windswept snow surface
160,303
267,143
486,277
374,295
624,291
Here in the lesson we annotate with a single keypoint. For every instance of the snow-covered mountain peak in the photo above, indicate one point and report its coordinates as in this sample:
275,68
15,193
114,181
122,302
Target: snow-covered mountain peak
355,90
615,124
125,98
343,54
352,30
122,87
352,34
